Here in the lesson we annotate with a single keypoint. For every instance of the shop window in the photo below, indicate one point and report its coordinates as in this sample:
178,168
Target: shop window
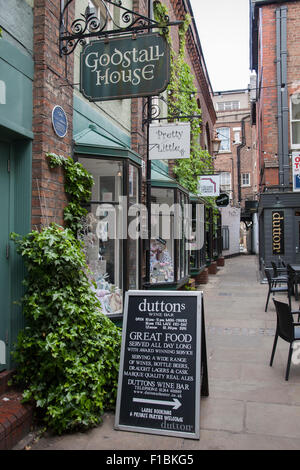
295,120
224,135
112,256
225,237
169,254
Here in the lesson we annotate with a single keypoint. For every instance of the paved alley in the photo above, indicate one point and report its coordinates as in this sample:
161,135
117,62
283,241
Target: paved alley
250,405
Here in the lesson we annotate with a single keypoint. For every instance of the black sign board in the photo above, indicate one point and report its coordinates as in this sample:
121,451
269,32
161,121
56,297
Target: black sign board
163,364
278,232
124,67
222,200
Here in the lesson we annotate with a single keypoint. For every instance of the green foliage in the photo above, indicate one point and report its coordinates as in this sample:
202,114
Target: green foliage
182,96
78,185
68,353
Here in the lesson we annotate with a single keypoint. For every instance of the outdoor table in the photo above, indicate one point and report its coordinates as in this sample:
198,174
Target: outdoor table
296,269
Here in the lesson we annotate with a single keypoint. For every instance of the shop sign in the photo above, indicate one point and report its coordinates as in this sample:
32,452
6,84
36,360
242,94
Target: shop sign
278,232
169,141
161,362
222,200
59,121
2,353
209,185
296,171
124,67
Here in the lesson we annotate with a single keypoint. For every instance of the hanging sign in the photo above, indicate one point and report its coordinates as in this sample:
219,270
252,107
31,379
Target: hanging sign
169,141
222,200
296,171
59,121
278,232
209,185
124,67
160,380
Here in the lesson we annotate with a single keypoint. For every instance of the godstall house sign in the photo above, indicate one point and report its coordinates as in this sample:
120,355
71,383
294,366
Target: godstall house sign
169,141
125,68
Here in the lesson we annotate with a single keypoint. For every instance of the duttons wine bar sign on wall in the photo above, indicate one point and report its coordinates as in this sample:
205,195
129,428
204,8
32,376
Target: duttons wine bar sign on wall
125,67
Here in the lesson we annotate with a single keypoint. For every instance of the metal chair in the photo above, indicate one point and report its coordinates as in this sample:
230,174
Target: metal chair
273,288
279,275
286,329
293,279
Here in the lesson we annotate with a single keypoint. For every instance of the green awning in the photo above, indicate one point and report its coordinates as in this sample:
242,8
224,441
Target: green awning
161,180
95,141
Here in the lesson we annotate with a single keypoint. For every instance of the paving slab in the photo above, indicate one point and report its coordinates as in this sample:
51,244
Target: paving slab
250,406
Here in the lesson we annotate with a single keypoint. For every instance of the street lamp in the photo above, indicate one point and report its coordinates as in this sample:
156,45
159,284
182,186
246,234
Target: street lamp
216,143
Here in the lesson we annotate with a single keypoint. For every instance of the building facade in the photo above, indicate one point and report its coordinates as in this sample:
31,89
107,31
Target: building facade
43,110
274,54
236,164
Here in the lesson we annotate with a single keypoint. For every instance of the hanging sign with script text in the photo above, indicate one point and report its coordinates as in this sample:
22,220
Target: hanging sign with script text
125,67
163,355
278,232
169,141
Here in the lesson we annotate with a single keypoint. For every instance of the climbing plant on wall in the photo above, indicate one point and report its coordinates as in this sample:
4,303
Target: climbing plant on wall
182,96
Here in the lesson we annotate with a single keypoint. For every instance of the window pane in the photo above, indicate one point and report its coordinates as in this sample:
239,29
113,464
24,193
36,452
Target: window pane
107,178
295,111
162,236
296,132
224,136
133,243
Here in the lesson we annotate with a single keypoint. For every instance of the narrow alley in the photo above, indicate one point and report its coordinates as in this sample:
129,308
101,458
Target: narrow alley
250,406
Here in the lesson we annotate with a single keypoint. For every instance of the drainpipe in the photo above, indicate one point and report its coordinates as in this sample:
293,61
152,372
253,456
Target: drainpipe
282,96
238,159
279,94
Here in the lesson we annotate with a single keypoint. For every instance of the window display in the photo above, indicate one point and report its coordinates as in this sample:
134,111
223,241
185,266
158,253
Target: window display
113,259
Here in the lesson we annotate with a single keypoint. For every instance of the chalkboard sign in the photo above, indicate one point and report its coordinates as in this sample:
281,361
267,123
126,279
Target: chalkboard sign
161,370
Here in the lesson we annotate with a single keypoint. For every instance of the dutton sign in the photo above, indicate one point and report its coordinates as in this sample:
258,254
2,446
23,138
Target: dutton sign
125,67
163,355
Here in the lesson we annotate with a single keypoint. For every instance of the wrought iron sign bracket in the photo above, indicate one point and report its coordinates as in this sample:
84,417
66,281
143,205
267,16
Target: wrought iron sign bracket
90,25
154,113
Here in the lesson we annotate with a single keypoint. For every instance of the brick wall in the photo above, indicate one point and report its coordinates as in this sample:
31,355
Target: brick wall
50,88
267,130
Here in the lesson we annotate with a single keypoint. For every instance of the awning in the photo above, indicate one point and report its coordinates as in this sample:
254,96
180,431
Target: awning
95,141
161,180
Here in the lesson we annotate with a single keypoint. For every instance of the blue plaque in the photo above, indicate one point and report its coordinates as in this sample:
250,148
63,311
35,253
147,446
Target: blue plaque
59,121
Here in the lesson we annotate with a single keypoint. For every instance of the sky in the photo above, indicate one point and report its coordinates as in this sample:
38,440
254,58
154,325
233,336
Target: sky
223,27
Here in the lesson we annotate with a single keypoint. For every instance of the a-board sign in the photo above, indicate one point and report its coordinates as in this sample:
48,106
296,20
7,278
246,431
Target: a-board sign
161,369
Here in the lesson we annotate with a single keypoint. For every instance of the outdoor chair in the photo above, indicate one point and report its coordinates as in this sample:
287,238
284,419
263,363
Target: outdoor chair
286,329
293,279
274,288
280,275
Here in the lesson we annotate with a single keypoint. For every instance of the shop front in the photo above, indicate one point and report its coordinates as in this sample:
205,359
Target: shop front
198,245
169,263
279,228
114,257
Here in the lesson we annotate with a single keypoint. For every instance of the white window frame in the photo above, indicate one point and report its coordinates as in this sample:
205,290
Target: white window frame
295,99
233,105
225,180
221,132
243,184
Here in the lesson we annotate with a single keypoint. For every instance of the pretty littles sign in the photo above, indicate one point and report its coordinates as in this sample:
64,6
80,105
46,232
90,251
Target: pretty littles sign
125,68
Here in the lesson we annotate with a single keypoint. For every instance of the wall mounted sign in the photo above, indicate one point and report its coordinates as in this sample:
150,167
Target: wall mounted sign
124,67
278,232
59,121
222,200
169,141
162,358
296,171
209,185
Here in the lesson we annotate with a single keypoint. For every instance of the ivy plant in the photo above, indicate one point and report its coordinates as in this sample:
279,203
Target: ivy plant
68,352
182,96
78,185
